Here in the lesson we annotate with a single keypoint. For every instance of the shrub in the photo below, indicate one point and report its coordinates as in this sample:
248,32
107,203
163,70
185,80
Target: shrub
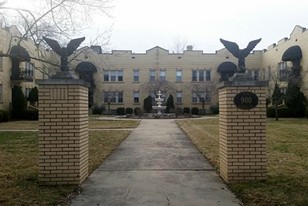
98,110
31,114
179,111
33,95
282,112
120,111
270,112
5,115
129,110
186,110
214,109
138,111
195,110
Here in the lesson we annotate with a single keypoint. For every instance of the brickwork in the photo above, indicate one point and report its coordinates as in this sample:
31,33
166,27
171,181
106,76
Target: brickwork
242,137
63,133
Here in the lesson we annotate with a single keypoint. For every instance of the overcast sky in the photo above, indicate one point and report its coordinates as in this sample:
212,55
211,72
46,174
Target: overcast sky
139,25
143,24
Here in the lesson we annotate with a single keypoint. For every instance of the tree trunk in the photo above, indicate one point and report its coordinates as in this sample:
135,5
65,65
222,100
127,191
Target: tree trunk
276,111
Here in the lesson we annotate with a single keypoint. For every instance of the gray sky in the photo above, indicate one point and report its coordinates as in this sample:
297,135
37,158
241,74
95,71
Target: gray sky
139,25
142,24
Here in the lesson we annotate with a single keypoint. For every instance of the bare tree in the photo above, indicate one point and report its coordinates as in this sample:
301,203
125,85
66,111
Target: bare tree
179,45
58,19
152,87
203,92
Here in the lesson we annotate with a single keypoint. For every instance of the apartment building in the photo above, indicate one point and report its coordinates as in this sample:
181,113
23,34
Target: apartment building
19,65
122,78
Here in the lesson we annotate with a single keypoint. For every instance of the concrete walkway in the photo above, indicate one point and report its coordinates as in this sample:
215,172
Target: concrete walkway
156,165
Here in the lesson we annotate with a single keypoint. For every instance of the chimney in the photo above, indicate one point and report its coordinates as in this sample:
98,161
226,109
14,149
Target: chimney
189,47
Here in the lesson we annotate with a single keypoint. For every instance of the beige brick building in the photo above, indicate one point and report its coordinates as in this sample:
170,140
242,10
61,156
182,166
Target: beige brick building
120,76
18,71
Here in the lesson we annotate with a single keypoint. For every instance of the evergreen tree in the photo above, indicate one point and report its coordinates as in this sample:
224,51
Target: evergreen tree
170,104
19,102
295,100
147,104
33,95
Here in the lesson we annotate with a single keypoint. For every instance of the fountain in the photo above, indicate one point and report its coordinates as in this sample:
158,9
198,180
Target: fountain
159,101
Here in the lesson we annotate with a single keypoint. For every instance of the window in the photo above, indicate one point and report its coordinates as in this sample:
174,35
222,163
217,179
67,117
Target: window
283,90
29,71
201,75
179,97
152,75
113,97
178,75
27,91
255,74
194,75
136,96
194,98
208,75
113,75
162,75
120,75
201,96
136,75
106,75
283,71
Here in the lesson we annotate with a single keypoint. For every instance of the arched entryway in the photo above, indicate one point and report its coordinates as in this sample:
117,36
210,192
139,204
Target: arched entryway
294,55
226,70
86,72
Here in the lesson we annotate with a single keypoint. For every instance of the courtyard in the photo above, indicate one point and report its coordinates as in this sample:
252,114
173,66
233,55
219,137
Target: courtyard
287,154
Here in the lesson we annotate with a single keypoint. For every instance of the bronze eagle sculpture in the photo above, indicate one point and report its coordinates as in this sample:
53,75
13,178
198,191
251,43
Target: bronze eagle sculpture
241,54
64,52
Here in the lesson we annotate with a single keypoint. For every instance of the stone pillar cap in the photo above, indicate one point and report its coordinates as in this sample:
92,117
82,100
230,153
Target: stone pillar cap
242,80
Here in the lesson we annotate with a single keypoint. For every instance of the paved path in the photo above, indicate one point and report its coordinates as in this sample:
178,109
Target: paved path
156,165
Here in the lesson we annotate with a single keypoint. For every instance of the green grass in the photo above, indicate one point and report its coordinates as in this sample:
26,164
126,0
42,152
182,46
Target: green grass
19,165
112,124
287,154
94,123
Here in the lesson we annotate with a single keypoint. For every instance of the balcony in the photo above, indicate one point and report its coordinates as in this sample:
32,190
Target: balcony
22,75
284,74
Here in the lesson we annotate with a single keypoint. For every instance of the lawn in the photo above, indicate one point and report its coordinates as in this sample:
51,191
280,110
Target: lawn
287,153
94,123
19,162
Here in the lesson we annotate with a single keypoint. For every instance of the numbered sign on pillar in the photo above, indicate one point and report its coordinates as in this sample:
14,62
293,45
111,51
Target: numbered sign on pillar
246,100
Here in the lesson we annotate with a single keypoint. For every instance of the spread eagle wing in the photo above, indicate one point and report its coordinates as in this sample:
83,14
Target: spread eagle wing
54,45
231,47
73,45
251,45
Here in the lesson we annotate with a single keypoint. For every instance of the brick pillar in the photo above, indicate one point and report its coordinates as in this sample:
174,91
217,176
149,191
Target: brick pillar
63,131
242,138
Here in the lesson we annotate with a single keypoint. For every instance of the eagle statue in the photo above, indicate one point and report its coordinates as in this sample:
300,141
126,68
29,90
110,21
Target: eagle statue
241,54
64,52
